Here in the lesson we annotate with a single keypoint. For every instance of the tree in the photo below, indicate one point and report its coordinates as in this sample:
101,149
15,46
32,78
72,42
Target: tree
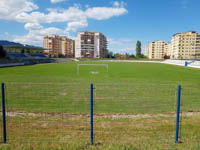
127,56
166,57
116,55
110,54
2,52
60,55
132,56
138,49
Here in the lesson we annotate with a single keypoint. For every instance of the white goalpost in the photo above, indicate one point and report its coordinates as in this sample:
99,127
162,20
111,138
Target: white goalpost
79,65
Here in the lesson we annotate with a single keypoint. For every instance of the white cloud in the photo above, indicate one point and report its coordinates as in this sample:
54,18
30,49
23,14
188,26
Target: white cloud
119,4
122,45
103,13
25,11
52,30
10,8
57,1
53,15
73,14
36,34
73,26
34,17
32,26
116,4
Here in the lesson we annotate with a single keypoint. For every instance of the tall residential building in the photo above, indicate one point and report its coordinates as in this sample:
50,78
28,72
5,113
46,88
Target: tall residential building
52,44
67,47
182,46
90,44
185,45
59,45
147,50
155,50
167,51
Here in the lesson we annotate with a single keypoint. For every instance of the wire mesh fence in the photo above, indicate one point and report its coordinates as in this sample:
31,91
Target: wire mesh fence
190,116
122,112
135,110
46,112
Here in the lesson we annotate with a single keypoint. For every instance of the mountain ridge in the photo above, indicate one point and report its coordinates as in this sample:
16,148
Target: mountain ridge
9,43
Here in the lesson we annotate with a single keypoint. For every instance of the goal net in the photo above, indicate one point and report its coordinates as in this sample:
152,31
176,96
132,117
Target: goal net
92,69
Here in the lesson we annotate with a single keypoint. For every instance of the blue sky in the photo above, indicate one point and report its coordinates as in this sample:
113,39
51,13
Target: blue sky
123,22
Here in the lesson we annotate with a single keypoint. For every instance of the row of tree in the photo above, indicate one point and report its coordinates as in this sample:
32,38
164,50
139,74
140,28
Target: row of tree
127,56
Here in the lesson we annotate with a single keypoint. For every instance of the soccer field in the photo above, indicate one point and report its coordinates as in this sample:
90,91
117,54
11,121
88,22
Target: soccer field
123,88
118,72
127,96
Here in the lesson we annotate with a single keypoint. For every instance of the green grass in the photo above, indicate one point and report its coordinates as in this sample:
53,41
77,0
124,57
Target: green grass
128,88
127,72
43,133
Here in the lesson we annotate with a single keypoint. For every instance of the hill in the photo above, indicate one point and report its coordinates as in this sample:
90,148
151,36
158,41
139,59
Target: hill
8,43
14,44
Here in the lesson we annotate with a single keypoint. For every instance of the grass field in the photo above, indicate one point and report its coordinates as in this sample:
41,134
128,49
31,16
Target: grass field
54,101
126,72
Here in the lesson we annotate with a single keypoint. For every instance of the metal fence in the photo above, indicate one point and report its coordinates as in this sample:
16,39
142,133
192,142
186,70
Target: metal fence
121,112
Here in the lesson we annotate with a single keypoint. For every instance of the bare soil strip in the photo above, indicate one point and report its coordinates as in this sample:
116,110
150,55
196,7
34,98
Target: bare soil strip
109,116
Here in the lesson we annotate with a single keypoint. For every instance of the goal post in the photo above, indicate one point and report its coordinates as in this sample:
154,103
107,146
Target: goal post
79,65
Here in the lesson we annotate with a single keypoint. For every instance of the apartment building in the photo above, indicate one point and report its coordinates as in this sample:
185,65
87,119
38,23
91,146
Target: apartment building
59,45
167,50
182,46
67,47
147,50
185,45
155,50
90,44
52,44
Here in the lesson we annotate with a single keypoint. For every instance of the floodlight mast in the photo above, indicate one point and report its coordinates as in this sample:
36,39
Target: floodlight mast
78,65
